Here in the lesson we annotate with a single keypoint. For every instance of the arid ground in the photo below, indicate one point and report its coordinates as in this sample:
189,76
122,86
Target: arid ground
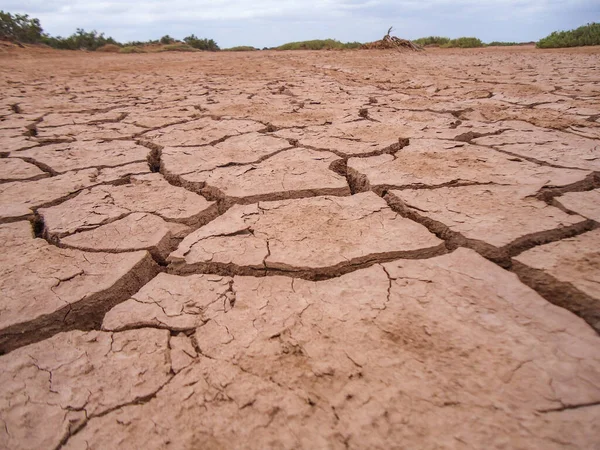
355,249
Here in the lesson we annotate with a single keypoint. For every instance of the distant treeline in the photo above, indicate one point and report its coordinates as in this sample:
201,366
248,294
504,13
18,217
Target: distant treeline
444,42
431,41
21,28
586,35
319,44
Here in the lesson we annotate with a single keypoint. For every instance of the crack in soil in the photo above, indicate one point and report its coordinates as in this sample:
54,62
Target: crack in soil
499,255
569,407
85,314
215,94
312,274
43,167
560,293
137,401
57,201
548,194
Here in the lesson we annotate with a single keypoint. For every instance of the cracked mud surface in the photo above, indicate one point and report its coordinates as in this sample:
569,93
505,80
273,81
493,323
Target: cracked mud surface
300,250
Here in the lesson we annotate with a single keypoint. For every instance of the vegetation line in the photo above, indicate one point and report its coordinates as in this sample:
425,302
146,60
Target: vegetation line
586,35
22,29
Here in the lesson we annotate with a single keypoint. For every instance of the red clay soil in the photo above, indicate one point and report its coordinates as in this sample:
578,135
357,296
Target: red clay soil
358,249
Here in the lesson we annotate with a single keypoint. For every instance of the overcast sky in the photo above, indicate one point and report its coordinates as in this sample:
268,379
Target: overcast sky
267,23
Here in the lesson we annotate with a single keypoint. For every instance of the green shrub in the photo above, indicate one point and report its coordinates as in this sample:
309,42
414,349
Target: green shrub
140,43
444,42
352,45
241,48
178,47
166,40
132,49
463,42
586,35
319,44
503,44
201,44
80,40
20,28
432,41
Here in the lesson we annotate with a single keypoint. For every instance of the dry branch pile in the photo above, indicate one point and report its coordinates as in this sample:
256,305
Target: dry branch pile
392,42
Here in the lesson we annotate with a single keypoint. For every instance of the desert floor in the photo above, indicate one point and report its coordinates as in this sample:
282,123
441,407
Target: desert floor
359,249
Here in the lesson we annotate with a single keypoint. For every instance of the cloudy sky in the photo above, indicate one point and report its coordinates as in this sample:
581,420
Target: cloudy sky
267,23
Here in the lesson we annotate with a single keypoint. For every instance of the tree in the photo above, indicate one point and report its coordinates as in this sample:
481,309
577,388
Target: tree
20,28
202,44
80,40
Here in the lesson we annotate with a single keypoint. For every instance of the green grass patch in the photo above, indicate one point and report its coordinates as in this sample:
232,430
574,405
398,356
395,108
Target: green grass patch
132,49
178,47
464,42
503,44
21,28
241,48
319,44
586,35
201,43
432,41
444,42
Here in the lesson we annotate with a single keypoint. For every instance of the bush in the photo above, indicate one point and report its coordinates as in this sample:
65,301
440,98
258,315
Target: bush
20,28
352,45
179,47
201,44
319,44
140,43
586,35
80,40
432,41
463,42
502,44
132,49
241,48
109,48
166,40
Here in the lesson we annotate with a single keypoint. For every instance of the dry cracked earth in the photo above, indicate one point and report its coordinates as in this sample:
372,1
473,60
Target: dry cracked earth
300,250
